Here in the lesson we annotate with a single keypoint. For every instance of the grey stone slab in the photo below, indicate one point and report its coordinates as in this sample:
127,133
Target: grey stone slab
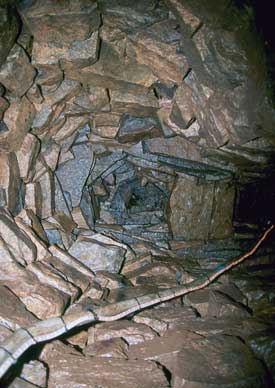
73,174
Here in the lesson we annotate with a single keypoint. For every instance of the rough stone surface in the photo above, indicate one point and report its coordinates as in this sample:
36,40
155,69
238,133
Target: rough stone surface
160,51
77,54
132,134
55,22
134,129
10,182
17,74
71,177
13,313
134,104
180,351
43,301
26,156
18,120
36,373
194,199
18,243
46,183
132,333
98,256
75,370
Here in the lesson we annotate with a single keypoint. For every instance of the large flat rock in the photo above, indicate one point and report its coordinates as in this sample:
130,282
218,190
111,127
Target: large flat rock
51,21
223,361
73,370
98,256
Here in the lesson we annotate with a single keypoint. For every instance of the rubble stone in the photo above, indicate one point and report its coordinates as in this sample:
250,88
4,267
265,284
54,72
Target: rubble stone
55,22
17,74
10,182
41,300
18,243
67,368
18,120
96,255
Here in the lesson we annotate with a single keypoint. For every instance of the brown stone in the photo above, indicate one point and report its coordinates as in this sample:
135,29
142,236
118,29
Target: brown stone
50,152
70,273
132,333
19,244
134,129
33,197
49,117
12,311
114,71
76,54
108,119
98,99
43,301
130,17
71,125
31,219
184,12
134,104
105,124
47,193
67,259
10,181
4,333
50,277
176,147
92,99
110,280
27,155
160,274
25,39
191,200
197,200
159,54
183,112
182,351
35,372
63,93
18,119
49,75
96,255
21,383
114,347
223,206
68,368
41,247
79,218
34,94
17,74
57,22
163,318
210,303
78,339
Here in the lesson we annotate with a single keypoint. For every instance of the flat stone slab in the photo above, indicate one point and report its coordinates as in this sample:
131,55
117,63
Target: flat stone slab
74,370
96,255
196,361
73,174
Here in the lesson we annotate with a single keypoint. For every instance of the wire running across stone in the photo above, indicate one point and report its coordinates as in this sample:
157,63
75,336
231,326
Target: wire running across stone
19,342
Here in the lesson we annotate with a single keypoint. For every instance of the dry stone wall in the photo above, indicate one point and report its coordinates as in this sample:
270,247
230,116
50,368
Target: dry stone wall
125,128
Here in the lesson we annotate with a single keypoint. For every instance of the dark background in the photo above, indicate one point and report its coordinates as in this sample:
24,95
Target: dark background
264,16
